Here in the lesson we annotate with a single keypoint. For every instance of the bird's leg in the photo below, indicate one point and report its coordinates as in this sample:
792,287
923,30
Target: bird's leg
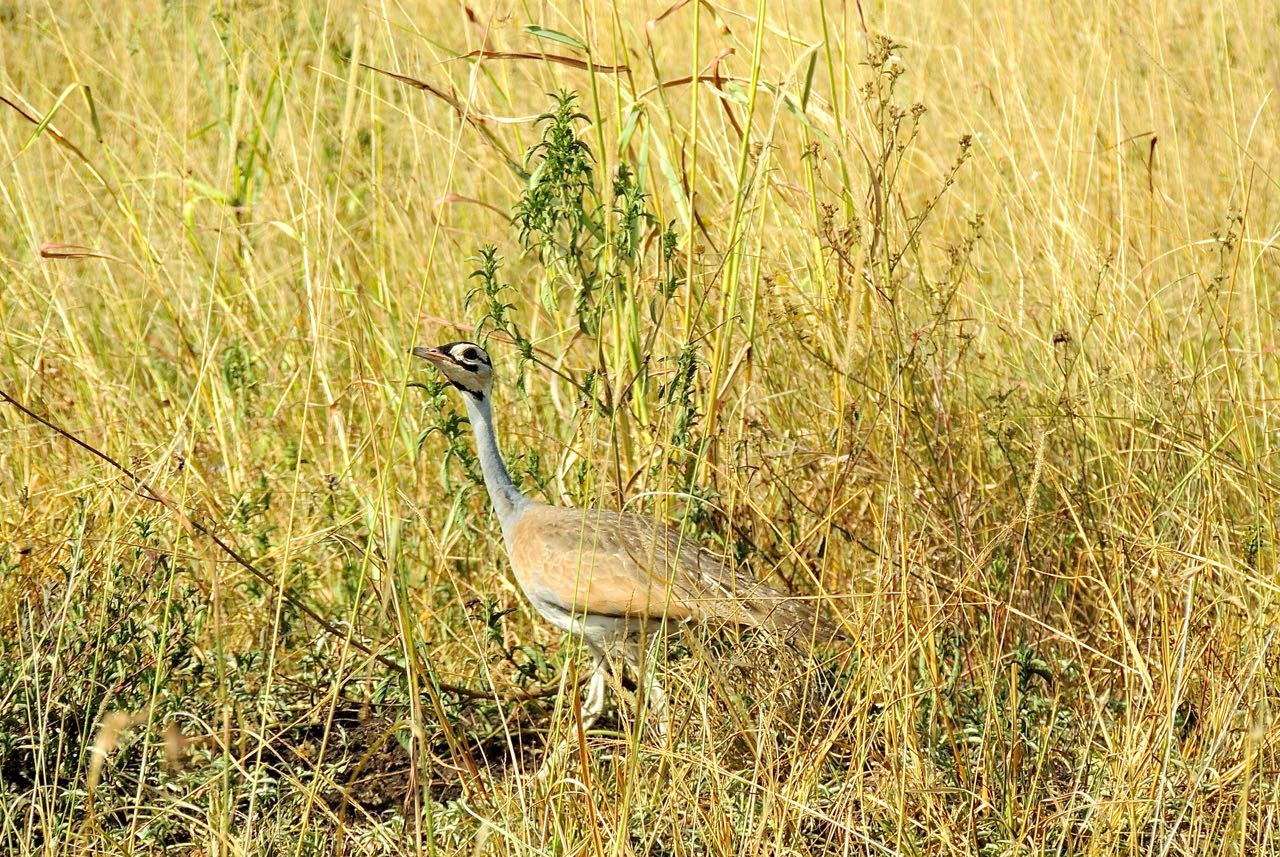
593,705
657,711
646,667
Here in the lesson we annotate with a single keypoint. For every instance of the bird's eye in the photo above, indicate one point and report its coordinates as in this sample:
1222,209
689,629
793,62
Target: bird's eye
471,354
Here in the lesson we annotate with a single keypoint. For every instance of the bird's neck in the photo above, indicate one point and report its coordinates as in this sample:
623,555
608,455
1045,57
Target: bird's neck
507,500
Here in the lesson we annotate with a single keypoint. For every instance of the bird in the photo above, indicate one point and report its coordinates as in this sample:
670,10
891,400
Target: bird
610,578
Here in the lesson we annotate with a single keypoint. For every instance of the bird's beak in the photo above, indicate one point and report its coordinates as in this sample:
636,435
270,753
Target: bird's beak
431,355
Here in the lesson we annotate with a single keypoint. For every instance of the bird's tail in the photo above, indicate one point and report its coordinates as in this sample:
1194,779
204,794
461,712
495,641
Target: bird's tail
794,618
798,620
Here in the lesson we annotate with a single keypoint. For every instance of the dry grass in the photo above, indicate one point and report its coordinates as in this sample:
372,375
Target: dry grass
1008,407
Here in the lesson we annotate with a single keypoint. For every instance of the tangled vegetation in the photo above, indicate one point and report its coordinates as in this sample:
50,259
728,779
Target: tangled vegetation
960,320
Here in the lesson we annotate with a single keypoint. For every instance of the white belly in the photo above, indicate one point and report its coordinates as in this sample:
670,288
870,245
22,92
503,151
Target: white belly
599,632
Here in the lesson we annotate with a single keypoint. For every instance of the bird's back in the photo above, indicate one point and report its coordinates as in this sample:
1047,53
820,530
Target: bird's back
623,565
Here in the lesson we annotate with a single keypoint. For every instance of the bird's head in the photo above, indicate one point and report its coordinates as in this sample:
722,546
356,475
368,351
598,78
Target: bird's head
464,364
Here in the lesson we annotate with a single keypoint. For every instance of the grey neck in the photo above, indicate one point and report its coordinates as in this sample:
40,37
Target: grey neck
507,500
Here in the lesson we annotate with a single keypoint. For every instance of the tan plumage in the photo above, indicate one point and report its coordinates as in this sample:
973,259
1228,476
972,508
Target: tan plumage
610,577
617,564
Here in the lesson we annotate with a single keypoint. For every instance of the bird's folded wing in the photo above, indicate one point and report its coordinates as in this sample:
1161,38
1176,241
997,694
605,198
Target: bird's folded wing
584,562
618,564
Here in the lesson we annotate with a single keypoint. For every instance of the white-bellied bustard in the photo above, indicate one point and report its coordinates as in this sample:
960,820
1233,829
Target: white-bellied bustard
609,577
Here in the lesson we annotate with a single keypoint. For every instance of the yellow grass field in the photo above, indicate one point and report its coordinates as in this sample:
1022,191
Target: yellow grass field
960,319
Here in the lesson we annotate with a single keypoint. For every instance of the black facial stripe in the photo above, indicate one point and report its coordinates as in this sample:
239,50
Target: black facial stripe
463,350
479,394
470,367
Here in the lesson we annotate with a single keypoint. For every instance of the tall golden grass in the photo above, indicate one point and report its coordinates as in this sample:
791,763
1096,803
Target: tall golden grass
992,377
